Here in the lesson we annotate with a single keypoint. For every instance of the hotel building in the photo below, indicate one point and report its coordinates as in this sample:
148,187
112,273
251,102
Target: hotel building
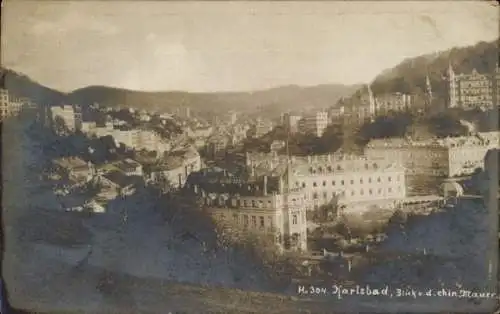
291,122
338,178
259,204
473,90
448,157
315,123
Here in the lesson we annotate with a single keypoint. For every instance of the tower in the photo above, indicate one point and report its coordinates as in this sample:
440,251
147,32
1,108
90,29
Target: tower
452,87
372,101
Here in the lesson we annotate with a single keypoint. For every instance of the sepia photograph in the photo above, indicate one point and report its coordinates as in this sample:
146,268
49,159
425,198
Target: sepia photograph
250,156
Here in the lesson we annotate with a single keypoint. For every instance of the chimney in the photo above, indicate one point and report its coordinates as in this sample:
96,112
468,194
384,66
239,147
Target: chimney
265,186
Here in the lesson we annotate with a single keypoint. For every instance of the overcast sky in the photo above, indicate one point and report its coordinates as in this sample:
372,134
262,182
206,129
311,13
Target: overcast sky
215,46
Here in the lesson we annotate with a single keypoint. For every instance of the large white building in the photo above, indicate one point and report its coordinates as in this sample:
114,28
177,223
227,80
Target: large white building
343,179
137,139
291,122
175,169
473,90
261,204
315,123
447,157
11,105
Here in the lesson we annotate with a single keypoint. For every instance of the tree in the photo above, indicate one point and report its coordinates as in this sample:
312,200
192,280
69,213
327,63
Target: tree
399,217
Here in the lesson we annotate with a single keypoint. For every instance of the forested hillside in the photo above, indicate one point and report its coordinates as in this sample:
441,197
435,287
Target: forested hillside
410,75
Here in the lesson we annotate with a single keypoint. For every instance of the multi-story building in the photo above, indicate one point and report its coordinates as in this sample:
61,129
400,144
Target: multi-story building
448,157
339,178
137,139
261,204
315,123
392,102
337,113
11,105
66,117
4,104
473,90
262,127
232,117
175,169
418,157
291,122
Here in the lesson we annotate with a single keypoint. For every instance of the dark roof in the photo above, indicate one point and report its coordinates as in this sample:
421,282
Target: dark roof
121,179
216,181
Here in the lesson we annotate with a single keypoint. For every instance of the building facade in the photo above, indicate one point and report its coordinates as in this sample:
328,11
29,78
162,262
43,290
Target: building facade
338,178
448,157
396,102
291,122
258,205
315,123
473,90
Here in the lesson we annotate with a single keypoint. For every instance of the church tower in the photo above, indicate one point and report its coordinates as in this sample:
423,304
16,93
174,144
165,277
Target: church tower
452,87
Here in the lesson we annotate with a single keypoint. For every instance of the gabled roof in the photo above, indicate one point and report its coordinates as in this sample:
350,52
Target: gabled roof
122,180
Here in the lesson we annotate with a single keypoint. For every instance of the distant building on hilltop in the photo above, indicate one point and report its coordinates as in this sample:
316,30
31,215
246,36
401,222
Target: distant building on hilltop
473,90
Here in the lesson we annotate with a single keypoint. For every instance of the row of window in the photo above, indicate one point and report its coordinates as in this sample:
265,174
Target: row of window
379,191
343,182
260,221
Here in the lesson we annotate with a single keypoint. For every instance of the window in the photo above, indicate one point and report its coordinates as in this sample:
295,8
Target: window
369,180
370,191
342,182
315,184
235,218
253,203
325,195
303,184
378,179
324,183
270,223
352,193
352,181
294,219
362,192
390,190
245,220
389,178
254,221
379,191
262,221
361,181
333,183
315,195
